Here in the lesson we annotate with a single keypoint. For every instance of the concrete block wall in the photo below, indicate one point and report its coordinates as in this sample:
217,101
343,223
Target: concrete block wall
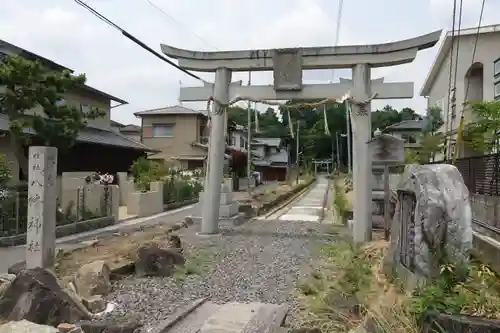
146,203
72,183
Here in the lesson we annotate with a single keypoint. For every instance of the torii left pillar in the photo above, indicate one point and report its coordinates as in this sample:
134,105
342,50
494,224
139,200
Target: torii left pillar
362,229
211,198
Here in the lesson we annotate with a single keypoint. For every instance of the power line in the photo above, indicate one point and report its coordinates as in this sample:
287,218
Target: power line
134,39
458,43
475,47
337,31
461,121
158,8
451,72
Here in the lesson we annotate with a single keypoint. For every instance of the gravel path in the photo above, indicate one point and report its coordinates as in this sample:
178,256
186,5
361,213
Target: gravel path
259,261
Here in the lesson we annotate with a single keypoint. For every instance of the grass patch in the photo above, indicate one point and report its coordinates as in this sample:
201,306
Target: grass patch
197,263
340,201
349,288
331,294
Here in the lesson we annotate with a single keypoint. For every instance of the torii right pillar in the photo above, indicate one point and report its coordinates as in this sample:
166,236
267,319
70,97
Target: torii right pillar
361,120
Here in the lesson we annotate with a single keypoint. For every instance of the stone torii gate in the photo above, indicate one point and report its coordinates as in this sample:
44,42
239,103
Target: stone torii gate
321,163
288,65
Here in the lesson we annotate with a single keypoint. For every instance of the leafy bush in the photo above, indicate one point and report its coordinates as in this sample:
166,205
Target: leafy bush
472,289
146,171
181,185
339,200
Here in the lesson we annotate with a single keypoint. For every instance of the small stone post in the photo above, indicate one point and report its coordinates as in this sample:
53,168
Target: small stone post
42,206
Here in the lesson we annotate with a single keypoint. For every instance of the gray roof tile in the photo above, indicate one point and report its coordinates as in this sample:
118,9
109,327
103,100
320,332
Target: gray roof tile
176,109
273,142
91,135
415,125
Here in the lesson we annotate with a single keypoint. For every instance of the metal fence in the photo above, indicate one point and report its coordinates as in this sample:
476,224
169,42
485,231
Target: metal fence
13,211
74,206
481,175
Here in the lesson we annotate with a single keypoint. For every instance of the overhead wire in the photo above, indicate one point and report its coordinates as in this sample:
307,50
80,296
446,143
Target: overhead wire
194,34
474,50
337,30
454,87
448,104
134,39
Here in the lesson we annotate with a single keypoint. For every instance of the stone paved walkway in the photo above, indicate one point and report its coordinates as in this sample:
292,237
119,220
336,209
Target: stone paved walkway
308,208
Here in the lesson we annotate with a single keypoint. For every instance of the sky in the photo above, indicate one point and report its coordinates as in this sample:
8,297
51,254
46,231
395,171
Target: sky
68,34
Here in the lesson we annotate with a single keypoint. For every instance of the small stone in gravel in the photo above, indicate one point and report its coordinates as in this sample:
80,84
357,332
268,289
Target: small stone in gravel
65,327
95,303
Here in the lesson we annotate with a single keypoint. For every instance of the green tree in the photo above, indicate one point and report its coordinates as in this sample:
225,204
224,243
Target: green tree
432,139
31,88
482,134
433,120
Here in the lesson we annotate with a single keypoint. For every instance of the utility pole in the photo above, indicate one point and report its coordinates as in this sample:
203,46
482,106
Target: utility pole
249,139
338,149
348,133
298,151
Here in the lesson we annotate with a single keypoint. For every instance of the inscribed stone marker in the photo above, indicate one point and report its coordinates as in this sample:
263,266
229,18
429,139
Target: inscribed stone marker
432,221
42,206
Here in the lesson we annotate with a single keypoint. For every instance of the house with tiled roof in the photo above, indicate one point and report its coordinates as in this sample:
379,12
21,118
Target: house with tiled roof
271,157
180,135
407,130
98,147
177,133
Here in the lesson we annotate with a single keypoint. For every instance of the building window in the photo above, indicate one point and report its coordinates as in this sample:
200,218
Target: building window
497,90
408,138
163,130
61,102
233,140
84,108
242,143
496,68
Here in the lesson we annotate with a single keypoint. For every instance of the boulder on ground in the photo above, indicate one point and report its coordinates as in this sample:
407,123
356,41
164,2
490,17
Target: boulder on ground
5,281
25,326
153,260
17,267
174,243
35,295
93,279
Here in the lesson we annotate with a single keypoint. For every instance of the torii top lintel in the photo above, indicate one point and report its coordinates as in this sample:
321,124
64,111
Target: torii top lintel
377,55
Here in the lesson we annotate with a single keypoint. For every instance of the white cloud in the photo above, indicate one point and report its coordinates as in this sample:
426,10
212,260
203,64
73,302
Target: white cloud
66,33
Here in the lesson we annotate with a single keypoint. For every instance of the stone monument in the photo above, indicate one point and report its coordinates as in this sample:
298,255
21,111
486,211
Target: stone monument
42,207
387,150
287,66
432,221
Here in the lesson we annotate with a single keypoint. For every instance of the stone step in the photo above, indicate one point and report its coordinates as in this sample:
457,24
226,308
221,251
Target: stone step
246,318
188,320
208,317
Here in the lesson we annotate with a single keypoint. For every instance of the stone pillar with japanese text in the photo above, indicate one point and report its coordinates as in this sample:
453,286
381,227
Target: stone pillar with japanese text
42,206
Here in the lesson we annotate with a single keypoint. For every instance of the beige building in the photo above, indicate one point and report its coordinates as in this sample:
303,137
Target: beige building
178,133
478,49
98,147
